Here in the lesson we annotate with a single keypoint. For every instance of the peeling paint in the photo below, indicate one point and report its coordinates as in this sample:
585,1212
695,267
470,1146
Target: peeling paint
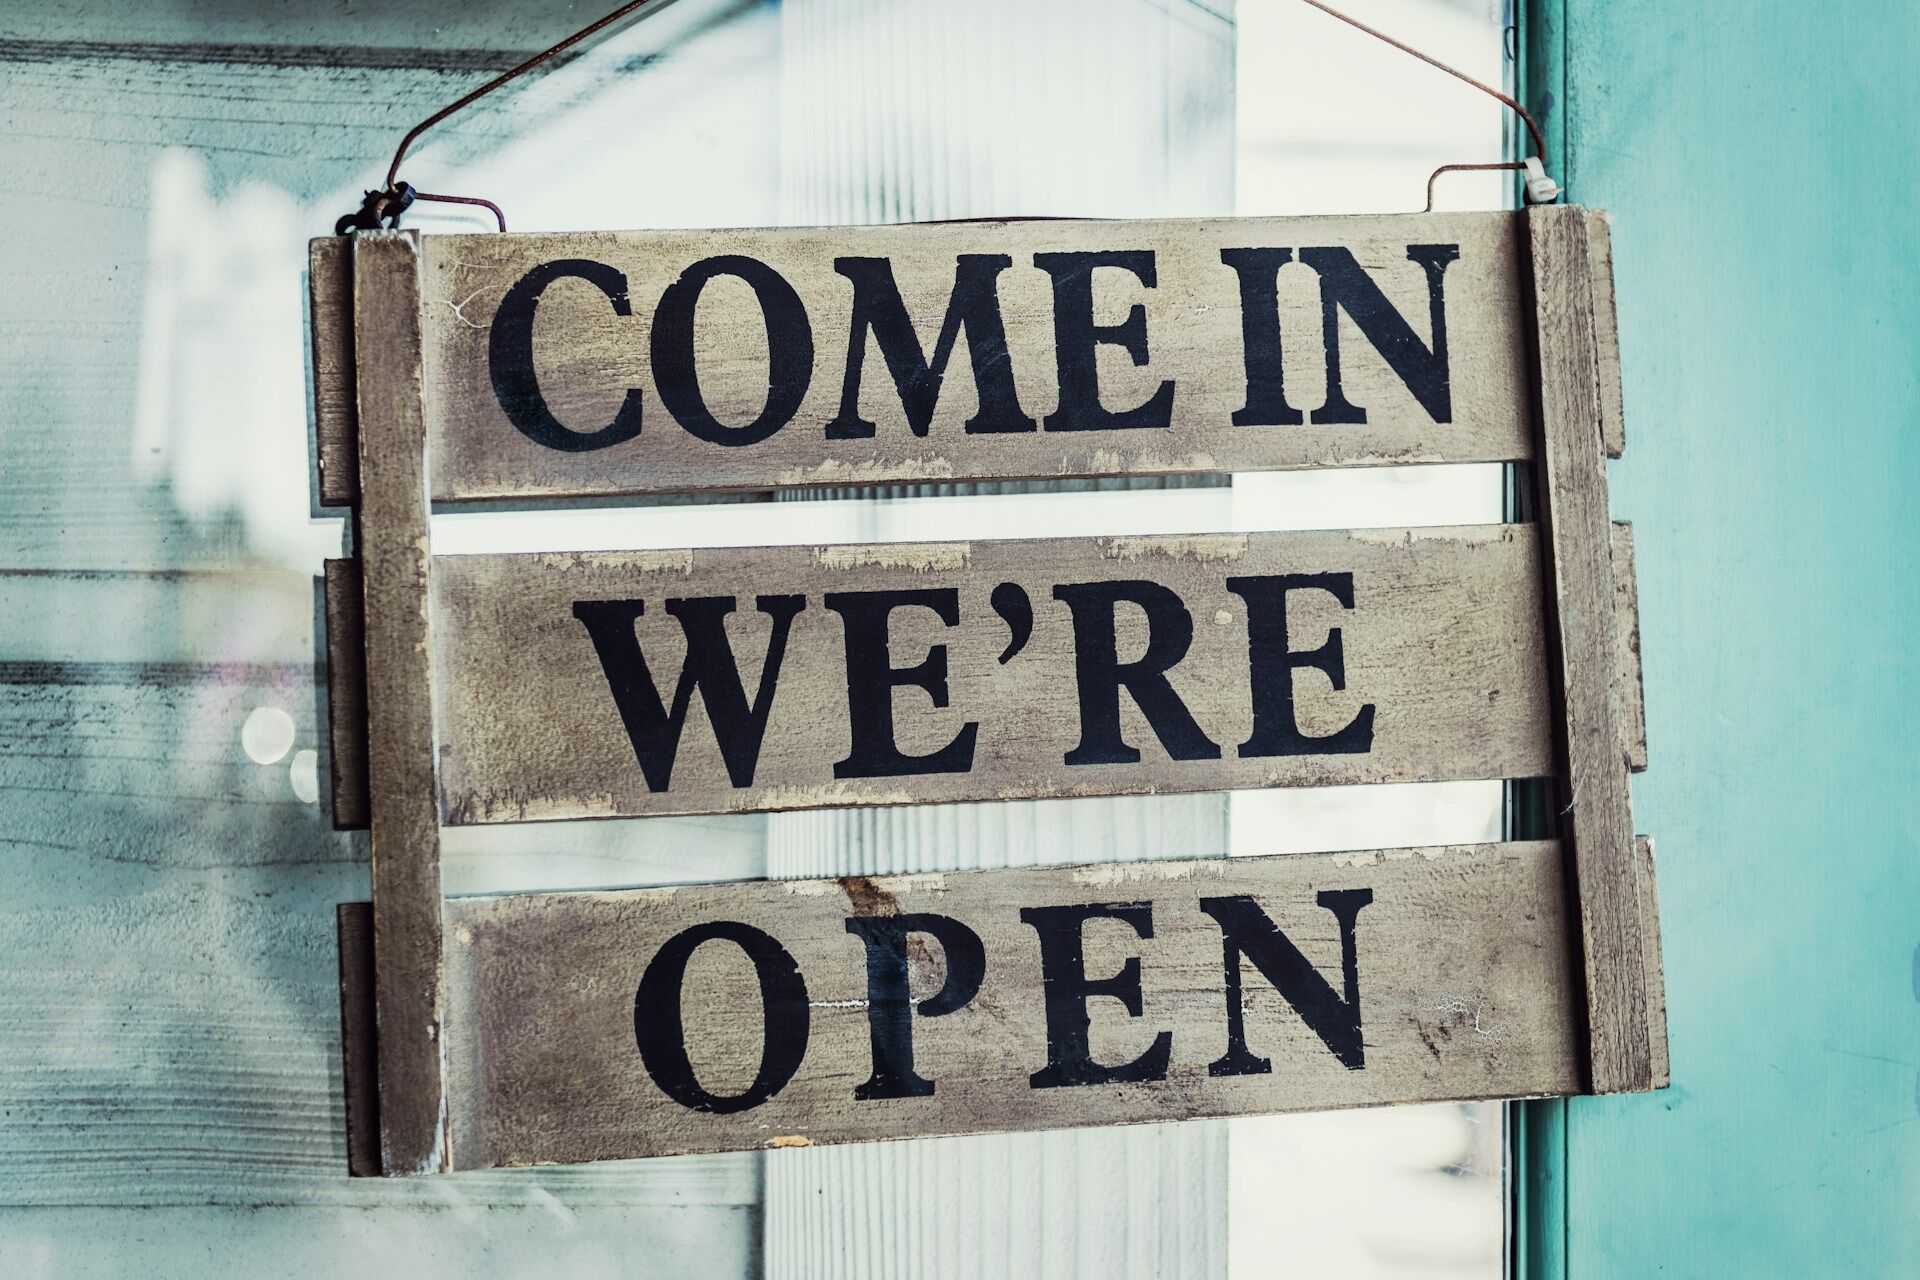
922,557
1114,462
1115,873
1374,857
836,471
815,797
1202,547
1481,535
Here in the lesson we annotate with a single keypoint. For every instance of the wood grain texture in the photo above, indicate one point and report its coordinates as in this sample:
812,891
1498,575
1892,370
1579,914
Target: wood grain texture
359,1040
1656,974
405,819
1444,641
1627,675
1606,334
1462,971
592,342
1595,807
347,689
330,335
346,694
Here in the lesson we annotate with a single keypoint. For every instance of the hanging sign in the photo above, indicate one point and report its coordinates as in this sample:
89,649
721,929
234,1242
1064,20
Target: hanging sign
509,688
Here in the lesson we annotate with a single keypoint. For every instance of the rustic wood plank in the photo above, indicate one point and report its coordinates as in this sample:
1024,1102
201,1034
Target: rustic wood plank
1606,333
1628,682
347,689
1656,975
1595,805
400,743
330,332
346,694
359,1040
1461,987
581,382
1444,641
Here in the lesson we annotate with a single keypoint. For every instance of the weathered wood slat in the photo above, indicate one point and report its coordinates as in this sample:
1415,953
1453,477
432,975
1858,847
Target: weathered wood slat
346,693
1594,804
404,816
1460,975
1628,682
1656,974
330,328
1443,641
1606,333
359,1040
347,711
514,413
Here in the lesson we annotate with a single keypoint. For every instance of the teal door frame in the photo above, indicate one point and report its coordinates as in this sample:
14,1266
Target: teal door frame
1759,163
1537,1130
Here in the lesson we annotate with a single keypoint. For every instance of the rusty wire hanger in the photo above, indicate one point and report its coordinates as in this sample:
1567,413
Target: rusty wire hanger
1541,189
384,207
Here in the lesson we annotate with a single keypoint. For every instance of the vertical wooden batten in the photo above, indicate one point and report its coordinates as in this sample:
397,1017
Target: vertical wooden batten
1594,805
330,325
403,791
346,694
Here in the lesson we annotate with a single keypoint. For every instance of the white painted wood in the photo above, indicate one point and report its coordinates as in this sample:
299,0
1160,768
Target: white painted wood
1079,107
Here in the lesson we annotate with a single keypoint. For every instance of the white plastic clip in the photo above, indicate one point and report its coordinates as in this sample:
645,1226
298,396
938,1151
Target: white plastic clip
1540,188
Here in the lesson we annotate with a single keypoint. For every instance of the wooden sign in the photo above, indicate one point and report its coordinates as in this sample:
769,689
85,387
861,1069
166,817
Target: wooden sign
551,1027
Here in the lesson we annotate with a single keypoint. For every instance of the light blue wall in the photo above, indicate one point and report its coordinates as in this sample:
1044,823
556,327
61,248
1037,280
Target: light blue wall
1760,162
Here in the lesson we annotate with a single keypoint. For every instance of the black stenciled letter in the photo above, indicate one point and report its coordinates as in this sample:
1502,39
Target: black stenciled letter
872,678
709,667
1100,674
1345,285
1259,272
890,1011
1063,977
974,305
789,350
662,1039
510,358
1271,662
1246,930
1076,339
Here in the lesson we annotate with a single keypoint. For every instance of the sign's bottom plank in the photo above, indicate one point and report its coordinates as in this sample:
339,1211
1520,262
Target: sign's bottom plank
593,1026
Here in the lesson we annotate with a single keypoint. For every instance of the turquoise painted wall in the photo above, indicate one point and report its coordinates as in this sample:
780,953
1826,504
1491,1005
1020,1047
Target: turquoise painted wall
1760,162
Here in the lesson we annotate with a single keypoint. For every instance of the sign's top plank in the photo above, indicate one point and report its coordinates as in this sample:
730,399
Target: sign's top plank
597,365
702,681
